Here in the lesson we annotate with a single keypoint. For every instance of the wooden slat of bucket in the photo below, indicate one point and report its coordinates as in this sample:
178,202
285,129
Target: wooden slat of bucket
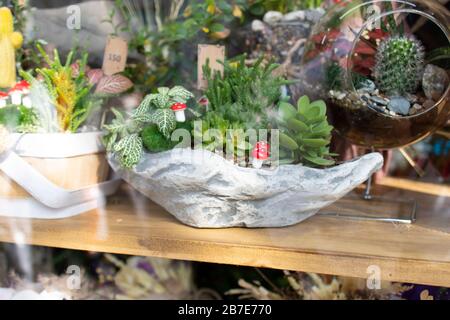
70,173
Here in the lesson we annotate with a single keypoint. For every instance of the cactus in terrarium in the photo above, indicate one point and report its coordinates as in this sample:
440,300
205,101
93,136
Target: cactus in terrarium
305,133
399,65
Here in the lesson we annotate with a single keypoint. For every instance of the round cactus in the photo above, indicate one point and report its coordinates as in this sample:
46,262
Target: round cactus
399,65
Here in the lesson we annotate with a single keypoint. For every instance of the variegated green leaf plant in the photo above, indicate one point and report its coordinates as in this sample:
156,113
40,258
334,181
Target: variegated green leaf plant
123,133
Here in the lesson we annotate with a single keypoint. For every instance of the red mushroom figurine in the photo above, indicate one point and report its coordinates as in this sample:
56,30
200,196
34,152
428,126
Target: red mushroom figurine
16,93
179,108
3,97
24,87
260,154
16,96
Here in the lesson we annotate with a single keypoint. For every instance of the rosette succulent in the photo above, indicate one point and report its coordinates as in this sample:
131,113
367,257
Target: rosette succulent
305,133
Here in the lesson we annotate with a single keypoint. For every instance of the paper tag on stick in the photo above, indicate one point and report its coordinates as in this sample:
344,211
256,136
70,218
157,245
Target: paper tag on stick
213,53
115,58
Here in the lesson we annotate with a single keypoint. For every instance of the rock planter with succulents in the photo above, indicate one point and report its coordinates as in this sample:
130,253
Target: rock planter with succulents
243,157
386,81
52,164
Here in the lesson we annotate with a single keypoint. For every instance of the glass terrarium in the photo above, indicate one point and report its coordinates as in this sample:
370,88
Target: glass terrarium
383,67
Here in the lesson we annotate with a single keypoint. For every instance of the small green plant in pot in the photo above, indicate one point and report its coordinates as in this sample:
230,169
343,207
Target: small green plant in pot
64,95
46,117
227,175
244,97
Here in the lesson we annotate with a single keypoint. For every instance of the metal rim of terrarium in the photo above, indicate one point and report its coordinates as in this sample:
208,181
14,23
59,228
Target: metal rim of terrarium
370,21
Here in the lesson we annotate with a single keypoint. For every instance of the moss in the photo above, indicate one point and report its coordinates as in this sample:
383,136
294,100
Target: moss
154,140
184,125
13,117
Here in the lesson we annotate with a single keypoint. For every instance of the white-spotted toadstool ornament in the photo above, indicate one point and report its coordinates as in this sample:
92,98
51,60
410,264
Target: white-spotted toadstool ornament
260,154
16,96
24,88
179,108
3,99
21,88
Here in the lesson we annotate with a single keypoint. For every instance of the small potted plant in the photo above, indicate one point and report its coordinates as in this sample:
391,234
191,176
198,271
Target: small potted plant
243,156
52,164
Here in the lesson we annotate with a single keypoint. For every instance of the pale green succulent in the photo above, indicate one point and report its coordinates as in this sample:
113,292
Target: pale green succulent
305,133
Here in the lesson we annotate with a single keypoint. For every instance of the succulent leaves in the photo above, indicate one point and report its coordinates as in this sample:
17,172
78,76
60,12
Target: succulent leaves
399,65
243,94
305,132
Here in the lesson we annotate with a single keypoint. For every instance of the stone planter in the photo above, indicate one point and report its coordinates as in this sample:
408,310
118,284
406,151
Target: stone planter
202,189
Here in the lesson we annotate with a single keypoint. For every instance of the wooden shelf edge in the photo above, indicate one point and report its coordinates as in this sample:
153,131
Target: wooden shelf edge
318,245
395,270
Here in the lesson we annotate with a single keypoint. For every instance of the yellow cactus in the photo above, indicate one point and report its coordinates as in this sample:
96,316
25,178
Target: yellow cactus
9,42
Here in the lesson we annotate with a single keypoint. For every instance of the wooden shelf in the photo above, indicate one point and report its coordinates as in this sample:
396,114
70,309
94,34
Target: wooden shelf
131,224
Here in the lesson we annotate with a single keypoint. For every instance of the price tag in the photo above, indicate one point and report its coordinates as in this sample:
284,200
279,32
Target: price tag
213,53
115,58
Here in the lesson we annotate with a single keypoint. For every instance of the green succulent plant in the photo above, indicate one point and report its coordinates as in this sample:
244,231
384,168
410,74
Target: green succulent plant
245,95
399,65
305,133
221,141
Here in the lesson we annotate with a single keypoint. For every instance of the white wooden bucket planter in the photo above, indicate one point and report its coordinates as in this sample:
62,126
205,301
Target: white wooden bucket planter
51,176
